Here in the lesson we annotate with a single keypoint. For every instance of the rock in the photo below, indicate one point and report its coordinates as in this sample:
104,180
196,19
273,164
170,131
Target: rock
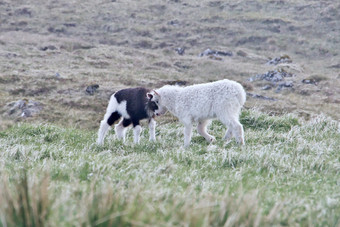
70,25
58,29
48,47
275,77
209,52
173,22
206,53
180,50
336,66
309,81
224,53
177,82
272,76
24,108
282,59
23,12
242,53
90,90
215,58
266,87
260,97
286,84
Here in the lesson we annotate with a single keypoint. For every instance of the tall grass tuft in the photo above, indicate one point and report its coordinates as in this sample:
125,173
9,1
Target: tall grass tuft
103,207
24,201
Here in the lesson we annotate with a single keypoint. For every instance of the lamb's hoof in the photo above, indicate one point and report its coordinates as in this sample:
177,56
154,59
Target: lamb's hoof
212,139
242,143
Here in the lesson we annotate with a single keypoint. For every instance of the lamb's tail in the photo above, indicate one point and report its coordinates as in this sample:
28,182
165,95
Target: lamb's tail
242,96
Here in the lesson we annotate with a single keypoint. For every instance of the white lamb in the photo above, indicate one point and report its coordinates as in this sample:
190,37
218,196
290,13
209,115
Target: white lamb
198,103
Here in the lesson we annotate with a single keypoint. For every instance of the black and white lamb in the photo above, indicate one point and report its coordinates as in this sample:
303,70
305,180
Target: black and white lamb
132,105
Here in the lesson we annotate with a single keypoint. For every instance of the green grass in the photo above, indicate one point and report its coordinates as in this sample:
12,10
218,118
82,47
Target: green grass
286,174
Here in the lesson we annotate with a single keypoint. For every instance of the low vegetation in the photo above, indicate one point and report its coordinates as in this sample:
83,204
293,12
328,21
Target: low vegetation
285,175
61,60
52,51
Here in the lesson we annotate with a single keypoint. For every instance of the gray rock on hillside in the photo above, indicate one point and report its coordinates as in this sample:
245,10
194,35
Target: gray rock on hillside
24,108
90,90
279,60
272,76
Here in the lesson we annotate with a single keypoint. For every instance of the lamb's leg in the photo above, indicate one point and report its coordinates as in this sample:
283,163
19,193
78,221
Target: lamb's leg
187,134
202,130
229,133
238,131
121,127
235,129
136,132
109,120
152,127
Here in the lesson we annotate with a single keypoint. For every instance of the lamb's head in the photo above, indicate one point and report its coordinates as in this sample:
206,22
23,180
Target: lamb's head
155,99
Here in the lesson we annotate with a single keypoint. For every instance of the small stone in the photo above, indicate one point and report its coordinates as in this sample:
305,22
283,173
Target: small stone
48,47
282,59
242,53
180,50
287,84
261,97
90,90
266,87
206,52
309,81
224,53
215,58
178,82
209,52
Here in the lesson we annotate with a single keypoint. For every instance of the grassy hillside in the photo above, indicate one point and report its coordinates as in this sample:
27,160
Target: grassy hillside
285,175
285,54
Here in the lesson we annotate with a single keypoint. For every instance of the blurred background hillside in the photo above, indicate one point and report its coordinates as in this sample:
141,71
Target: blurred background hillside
61,60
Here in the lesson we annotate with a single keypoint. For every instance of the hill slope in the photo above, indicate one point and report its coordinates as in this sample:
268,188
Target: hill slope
286,174
52,50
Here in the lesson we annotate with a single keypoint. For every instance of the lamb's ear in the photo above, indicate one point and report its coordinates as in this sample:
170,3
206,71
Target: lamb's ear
156,92
149,95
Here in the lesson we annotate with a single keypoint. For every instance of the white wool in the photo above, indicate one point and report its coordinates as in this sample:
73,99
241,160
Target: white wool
221,99
203,101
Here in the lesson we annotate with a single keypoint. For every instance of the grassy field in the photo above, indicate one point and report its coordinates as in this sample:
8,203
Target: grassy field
285,175
52,173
